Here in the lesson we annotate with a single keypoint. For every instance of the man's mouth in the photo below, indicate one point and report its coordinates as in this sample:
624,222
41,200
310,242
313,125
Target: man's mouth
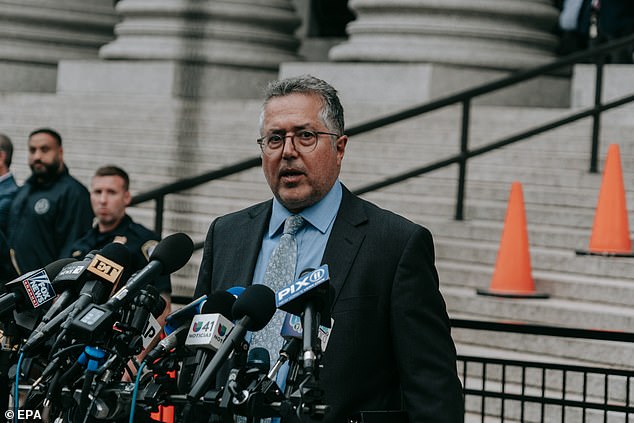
291,175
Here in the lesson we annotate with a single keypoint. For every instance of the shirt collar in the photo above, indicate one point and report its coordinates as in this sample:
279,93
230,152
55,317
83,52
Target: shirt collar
320,215
6,176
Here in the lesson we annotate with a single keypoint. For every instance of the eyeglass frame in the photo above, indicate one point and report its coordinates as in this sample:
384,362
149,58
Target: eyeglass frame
263,143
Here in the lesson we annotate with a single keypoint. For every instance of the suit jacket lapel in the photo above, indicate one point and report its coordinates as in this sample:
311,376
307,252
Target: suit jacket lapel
345,240
256,222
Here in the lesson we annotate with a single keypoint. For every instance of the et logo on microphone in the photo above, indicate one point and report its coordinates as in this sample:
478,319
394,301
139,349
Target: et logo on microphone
302,285
106,269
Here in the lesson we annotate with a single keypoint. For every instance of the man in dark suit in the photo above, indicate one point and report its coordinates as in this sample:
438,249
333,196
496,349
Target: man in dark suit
390,346
8,189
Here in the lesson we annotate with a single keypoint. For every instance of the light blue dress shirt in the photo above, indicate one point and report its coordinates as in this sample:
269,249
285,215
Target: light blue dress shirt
311,240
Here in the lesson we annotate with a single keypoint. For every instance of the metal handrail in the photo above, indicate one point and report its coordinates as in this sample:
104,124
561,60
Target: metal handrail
543,330
465,98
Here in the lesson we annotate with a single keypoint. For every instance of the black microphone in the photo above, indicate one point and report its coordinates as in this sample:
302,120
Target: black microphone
253,309
106,267
31,290
146,304
243,382
169,255
309,297
172,253
206,333
176,327
291,348
215,328
69,280
74,273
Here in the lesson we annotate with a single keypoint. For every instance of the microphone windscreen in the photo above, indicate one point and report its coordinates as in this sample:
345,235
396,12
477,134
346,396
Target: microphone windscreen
236,291
259,358
118,253
258,303
159,304
220,302
173,252
52,269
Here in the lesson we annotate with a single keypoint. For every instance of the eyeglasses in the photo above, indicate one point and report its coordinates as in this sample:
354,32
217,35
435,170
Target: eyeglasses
303,141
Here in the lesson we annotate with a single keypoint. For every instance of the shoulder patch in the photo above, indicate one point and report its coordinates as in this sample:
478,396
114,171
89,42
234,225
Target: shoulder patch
148,247
120,239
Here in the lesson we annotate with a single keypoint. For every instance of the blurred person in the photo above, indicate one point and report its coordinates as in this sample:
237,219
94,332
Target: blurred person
51,210
8,189
109,198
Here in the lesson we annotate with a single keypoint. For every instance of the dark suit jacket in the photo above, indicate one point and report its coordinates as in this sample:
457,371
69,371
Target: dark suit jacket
390,346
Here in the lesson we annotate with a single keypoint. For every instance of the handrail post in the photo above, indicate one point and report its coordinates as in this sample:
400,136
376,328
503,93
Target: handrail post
158,215
462,163
596,115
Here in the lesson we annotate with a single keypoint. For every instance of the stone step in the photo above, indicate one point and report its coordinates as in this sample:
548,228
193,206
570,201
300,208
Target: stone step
548,259
552,311
569,286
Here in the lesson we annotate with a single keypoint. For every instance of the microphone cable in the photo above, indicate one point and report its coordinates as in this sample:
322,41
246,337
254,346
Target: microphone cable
136,390
16,391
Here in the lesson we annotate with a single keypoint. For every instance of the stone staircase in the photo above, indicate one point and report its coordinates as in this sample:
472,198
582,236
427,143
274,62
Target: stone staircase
159,140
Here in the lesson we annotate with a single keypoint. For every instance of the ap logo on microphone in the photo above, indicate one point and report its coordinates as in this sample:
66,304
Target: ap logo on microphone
302,285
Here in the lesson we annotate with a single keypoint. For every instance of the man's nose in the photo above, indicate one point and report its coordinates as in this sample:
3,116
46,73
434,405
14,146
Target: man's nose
289,147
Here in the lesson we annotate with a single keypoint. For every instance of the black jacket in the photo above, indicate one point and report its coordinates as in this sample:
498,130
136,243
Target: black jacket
139,240
390,346
46,218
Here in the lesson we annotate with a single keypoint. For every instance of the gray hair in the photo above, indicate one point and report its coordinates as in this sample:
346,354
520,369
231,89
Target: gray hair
7,146
331,111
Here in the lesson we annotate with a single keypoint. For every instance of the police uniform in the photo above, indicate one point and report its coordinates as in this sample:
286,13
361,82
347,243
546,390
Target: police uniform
139,240
46,218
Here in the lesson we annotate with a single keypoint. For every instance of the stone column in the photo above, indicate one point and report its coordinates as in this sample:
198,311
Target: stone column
199,48
491,34
36,34
412,51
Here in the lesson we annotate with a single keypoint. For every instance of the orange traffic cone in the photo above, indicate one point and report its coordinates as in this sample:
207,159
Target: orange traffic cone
512,275
610,231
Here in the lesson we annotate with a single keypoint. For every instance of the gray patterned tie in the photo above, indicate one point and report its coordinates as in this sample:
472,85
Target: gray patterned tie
279,273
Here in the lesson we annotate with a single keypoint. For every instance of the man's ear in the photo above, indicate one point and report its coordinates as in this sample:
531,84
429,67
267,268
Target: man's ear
340,147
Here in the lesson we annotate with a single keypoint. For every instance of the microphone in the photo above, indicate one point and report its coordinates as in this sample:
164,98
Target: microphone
209,329
107,268
172,253
152,327
73,272
257,364
176,328
253,310
169,255
236,291
184,314
292,329
33,289
260,359
148,303
69,279
309,297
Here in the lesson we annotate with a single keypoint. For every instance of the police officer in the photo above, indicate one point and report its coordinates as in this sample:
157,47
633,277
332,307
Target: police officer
109,197
51,210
